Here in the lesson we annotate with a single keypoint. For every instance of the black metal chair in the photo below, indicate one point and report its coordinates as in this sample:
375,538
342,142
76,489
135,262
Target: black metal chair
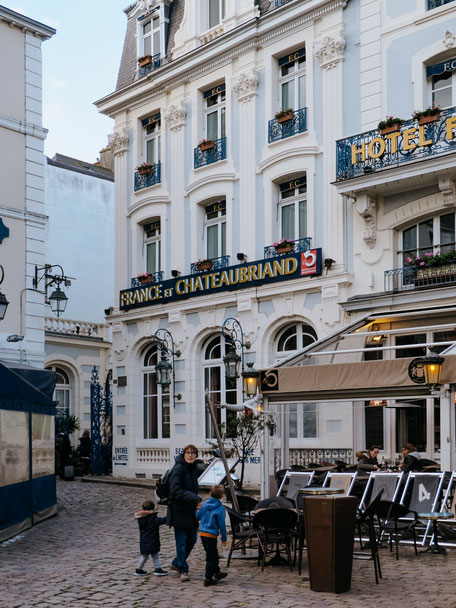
396,520
274,529
367,518
246,503
241,531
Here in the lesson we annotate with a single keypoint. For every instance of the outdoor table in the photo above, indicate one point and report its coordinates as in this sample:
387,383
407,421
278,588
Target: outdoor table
434,546
321,491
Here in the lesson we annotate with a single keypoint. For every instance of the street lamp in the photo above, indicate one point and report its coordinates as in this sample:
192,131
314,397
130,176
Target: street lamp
163,340
233,334
58,299
3,301
426,370
251,381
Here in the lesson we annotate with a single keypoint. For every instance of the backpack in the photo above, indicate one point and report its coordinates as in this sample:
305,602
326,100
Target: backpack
162,488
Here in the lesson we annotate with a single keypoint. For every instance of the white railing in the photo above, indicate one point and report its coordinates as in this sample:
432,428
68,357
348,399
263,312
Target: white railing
153,456
76,328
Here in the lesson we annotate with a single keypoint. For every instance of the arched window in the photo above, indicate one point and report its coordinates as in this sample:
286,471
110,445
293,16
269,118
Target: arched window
63,390
156,400
294,337
220,389
428,237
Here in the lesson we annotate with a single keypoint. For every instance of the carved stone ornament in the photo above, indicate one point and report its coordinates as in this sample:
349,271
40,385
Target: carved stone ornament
119,142
449,40
146,4
367,209
175,116
448,188
245,86
330,50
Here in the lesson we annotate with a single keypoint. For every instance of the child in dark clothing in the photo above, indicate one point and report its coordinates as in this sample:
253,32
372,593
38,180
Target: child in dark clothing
149,538
211,516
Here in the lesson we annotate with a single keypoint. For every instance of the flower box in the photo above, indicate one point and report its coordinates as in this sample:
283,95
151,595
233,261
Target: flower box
146,279
284,248
448,271
285,117
391,129
143,61
423,120
204,265
144,170
206,145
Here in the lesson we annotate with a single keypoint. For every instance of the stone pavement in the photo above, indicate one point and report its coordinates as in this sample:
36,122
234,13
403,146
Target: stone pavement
86,556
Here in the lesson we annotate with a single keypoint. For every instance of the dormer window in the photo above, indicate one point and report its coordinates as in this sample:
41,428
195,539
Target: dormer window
151,37
152,30
216,12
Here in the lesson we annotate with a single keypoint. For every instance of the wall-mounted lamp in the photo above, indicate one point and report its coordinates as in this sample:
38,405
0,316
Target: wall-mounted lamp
241,257
163,340
251,381
3,301
58,299
233,334
328,262
426,370
175,273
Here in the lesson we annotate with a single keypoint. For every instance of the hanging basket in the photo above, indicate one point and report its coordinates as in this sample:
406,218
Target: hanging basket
285,117
423,120
392,129
208,145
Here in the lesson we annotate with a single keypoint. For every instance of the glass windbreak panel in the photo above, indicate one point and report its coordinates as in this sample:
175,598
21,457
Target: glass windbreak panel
409,242
302,92
302,219
293,420
212,126
426,237
442,90
447,232
212,241
310,420
410,351
373,425
288,224
288,95
43,444
411,425
14,447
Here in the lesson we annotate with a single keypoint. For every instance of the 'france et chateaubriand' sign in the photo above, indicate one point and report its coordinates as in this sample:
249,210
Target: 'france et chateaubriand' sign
241,276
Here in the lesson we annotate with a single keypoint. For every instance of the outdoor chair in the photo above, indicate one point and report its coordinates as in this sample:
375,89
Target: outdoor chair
391,516
367,519
246,503
274,530
241,531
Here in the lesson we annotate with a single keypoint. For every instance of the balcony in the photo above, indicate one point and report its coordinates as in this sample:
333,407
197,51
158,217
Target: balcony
299,245
145,180
151,279
201,158
435,3
403,279
281,130
367,152
217,263
278,3
153,65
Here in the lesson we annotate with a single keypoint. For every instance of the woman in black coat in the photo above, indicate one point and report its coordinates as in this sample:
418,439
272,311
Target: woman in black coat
182,503
368,461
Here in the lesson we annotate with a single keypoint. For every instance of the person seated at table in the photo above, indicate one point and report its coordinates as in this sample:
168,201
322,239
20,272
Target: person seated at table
367,461
412,459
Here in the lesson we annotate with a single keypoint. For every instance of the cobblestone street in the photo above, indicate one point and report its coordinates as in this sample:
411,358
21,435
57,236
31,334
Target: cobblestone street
86,557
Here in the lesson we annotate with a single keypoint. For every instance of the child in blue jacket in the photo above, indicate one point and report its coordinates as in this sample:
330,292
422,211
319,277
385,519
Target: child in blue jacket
211,516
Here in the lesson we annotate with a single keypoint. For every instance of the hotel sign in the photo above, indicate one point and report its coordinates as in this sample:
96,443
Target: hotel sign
241,276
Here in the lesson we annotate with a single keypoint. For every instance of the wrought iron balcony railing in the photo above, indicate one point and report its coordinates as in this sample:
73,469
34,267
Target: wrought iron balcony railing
430,140
146,180
270,251
280,130
213,155
306,457
435,3
154,277
401,279
217,263
153,65
278,3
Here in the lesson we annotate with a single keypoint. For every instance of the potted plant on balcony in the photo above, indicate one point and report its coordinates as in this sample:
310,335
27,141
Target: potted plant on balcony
144,60
434,266
145,278
284,115
389,125
204,264
206,144
144,168
284,245
430,114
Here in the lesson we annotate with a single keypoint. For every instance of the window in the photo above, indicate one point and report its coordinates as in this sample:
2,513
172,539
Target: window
156,400
373,425
411,424
302,420
220,389
152,245
62,391
292,80
431,235
215,229
214,110
293,338
151,37
152,127
216,12
293,209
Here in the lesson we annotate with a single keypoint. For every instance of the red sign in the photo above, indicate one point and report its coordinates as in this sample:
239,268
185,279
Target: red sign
309,262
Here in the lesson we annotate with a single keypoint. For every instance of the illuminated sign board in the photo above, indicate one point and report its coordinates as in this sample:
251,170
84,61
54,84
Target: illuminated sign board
240,276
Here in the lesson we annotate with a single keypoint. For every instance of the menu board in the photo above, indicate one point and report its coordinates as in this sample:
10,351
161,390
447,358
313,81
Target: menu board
215,472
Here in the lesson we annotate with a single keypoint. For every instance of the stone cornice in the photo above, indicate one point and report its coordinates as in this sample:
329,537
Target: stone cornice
27,25
16,214
26,128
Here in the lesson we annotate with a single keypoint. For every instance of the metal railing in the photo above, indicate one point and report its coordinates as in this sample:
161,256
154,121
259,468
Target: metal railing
435,132
278,3
148,179
217,263
281,130
401,279
270,251
435,3
207,157
154,277
306,457
153,65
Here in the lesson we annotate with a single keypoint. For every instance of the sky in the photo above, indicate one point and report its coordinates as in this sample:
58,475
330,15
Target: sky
80,65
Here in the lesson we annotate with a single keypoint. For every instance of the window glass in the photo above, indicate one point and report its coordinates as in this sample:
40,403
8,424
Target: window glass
310,420
411,425
294,337
447,232
293,420
431,236
411,351
426,236
215,229
216,12
373,425
293,84
152,242
293,210
442,90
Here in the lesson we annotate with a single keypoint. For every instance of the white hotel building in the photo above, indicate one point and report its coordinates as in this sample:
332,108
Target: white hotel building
220,70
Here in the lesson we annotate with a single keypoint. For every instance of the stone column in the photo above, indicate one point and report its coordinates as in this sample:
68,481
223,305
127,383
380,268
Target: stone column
330,50
245,87
119,145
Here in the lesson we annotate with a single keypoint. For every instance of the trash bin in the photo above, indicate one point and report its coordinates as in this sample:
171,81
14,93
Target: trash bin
330,532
